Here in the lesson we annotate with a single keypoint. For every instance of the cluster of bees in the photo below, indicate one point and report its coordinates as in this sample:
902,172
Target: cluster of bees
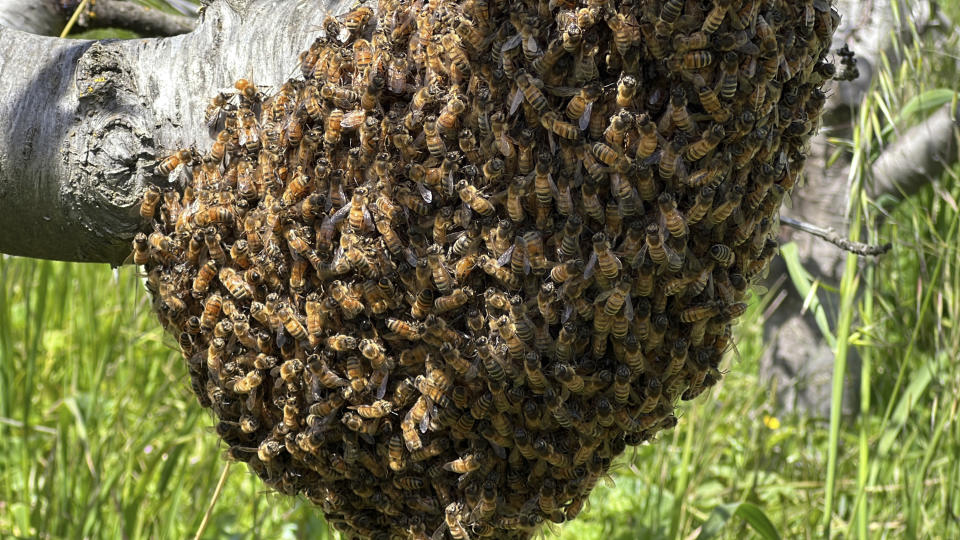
439,283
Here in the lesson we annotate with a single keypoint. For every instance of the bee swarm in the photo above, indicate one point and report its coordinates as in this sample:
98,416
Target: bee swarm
440,282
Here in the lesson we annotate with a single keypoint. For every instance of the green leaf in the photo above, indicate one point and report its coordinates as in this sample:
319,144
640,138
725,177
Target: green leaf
751,513
804,284
919,104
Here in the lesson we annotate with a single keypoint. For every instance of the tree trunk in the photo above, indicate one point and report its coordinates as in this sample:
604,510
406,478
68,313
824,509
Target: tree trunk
83,123
796,355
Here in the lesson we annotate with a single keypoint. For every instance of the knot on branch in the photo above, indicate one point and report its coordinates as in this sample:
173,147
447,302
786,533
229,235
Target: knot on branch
113,152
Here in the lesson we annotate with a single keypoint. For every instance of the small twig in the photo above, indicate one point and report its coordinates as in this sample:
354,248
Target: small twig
831,236
73,18
213,501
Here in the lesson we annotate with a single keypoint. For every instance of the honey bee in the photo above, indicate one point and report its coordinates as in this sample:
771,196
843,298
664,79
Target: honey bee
148,207
452,521
357,19
572,38
670,12
454,300
648,141
377,409
405,330
334,128
162,245
626,91
455,53
205,275
374,352
706,143
341,342
141,249
348,302
423,304
168,164
340,96
326,376
715,17
551,120
216,108
731,201
527,85
472,198
291,322
699,312
672,219
603,257
463,465
710,101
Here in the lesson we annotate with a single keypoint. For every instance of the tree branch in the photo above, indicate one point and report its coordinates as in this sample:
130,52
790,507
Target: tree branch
918,157
41,17
831,236
82,123
140,19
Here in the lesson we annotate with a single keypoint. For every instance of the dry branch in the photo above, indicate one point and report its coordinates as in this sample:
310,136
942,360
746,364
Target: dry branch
830,235
140,19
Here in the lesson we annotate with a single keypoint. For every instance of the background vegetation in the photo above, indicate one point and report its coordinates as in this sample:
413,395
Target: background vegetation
100,436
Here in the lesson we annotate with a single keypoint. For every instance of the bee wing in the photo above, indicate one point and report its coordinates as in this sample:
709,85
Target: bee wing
367,218
353,119
504,259
382,389
425,421
628,308
439,533
603,296
584,122
553,187
448,185
749,49
530,44
654,158
410,256
515,101
425,193
567,312
179,176
561,91
342,213
591,265
511,43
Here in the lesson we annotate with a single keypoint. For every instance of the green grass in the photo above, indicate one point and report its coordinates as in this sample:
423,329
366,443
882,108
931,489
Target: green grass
100,436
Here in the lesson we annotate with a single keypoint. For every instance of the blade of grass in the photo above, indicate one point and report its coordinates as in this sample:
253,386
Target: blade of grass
213,500
849,285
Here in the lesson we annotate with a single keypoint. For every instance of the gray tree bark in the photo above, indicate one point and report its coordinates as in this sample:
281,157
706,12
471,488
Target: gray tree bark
82,123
